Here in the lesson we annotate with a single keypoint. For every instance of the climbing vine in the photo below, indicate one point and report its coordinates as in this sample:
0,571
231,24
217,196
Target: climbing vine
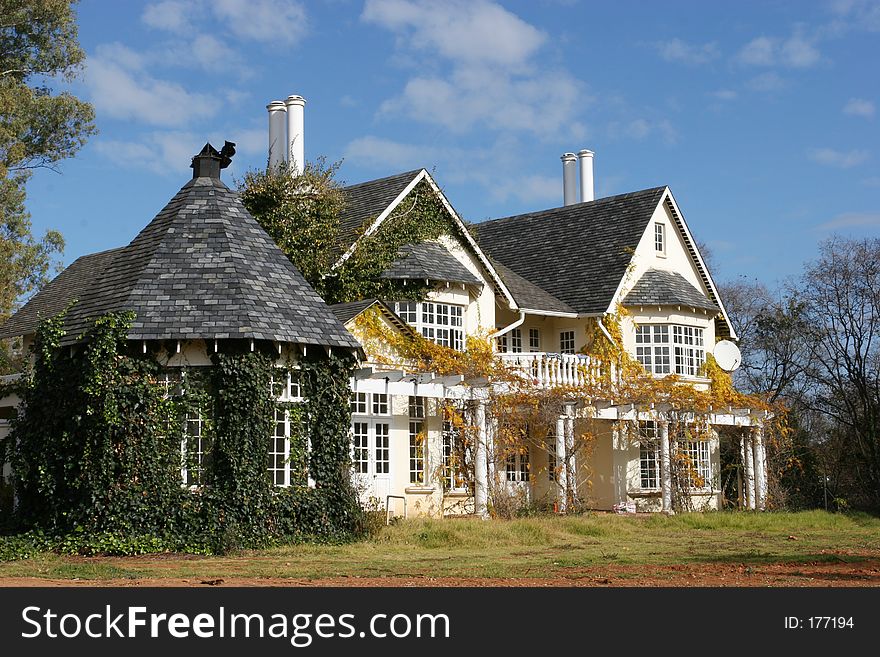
97,459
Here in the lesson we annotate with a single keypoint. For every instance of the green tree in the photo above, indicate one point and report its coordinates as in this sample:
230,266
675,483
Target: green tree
38,127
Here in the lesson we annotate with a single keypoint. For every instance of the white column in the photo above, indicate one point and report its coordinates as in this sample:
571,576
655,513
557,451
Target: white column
562,467
295,133
749,466
665,466
570,456
760,465
481,467
277,133
492,431
744,492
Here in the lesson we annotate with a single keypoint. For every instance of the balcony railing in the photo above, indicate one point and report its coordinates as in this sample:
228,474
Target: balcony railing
548,370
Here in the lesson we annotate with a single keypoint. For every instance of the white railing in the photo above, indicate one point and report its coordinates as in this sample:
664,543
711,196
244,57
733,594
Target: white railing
546,370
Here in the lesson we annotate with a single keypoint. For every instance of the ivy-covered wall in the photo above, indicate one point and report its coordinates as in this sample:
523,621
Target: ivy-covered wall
96,452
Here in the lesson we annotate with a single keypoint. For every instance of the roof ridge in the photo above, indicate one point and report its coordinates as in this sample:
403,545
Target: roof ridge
581,205
413,173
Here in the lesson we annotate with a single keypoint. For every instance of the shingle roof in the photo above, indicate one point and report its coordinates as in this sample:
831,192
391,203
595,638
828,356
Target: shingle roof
666,288
365,201
428,261
58,293
577,253
203,268
346,312
528,295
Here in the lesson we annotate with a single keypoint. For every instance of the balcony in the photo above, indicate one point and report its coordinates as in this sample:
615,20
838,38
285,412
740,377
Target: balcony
548,370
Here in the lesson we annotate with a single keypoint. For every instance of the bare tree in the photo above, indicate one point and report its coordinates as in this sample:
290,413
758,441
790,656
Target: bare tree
840,293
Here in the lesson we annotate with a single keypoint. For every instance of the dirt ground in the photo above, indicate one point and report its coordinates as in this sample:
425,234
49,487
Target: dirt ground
820,574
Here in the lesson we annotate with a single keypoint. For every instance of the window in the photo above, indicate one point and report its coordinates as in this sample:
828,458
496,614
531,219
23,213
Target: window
442,323
360,447
195,449
417,408
453,470
652,348
511,342
648,456
566,342
416,452
689,351
285,385
518,465
551,456
660,238
359,403
534,339
279,450
382,460
380,403
695,463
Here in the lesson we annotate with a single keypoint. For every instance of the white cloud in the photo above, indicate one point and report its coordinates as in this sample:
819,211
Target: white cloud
676,50
167,153
859,107
170,15
873,181
859,14
474,31
492,168
122,91
491,82
797,51
267,21
839,159
473,97
852,220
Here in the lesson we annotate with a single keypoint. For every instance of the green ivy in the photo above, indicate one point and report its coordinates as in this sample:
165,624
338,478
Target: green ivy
301,213
97,463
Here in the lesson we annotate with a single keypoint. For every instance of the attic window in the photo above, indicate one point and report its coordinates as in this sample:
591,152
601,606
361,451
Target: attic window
660,238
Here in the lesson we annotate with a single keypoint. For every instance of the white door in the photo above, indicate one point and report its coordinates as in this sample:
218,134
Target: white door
371,459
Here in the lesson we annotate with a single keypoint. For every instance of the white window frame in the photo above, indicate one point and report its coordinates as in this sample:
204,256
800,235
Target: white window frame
516,466
442,323
417,415
700,454
199,458
660,238
566,342
654,348
451,479
281,420
534,339
381,404
690,351
649,456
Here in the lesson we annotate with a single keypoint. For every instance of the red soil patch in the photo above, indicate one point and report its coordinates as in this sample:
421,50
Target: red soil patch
862,573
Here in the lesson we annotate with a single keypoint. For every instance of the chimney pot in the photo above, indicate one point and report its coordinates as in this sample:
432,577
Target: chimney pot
277,133
569,178
586,161
295,132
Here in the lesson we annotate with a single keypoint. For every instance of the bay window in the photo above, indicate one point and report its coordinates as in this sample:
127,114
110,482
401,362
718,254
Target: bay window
442,323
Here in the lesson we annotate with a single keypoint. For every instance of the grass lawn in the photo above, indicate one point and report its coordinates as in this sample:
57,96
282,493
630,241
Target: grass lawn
557,547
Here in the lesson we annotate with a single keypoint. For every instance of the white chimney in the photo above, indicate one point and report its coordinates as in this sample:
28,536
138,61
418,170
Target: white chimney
569,179
586,162
295,111
277,133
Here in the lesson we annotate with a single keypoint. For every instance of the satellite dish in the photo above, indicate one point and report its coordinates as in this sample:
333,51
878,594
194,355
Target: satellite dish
727,355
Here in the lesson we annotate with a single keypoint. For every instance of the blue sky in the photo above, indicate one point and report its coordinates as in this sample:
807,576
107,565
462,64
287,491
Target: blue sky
761,116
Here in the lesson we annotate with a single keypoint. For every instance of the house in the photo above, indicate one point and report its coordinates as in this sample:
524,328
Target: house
542,286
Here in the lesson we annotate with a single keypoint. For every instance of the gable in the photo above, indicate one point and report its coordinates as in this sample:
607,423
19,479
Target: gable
680,258
578,253
357,223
